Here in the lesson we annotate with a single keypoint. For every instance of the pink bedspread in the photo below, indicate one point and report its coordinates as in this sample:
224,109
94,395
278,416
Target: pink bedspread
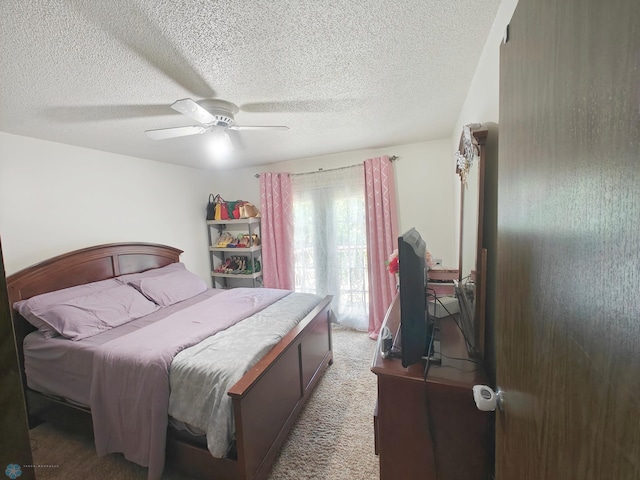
130,387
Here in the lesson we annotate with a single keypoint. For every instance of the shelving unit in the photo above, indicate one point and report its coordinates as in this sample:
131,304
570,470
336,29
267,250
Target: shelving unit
219,255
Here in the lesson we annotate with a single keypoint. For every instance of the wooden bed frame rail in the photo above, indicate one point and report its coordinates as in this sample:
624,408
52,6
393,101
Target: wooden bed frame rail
266,400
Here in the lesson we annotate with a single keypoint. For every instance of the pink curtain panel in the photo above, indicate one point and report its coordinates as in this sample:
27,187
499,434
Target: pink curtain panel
382,235
277,230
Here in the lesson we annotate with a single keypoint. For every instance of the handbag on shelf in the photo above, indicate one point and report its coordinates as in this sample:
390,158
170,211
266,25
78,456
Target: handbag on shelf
236,209
221,209
249,210
233,209
211,207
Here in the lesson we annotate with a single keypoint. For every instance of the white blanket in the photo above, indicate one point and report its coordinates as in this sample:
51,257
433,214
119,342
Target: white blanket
200,376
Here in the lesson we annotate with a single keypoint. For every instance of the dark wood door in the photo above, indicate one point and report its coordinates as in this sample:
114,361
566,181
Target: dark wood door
568,268
15,448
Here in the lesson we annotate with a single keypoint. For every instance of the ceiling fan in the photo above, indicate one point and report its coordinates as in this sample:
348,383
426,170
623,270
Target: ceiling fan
212,115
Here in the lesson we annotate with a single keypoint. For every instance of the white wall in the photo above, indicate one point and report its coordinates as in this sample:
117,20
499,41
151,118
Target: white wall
424,173
480,106
55,198
482,102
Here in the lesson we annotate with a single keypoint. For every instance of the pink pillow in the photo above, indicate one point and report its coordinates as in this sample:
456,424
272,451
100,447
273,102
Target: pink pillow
170,288
86,316
38,302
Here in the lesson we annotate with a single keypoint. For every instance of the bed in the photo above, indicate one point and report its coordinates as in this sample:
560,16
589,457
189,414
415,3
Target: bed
265,400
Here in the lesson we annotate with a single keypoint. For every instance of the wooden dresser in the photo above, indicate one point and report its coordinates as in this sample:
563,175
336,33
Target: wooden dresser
411,412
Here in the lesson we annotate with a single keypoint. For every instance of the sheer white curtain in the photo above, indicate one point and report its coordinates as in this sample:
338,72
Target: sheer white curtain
330,240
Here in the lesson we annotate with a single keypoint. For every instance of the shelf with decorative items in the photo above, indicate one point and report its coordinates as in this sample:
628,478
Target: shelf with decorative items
235,251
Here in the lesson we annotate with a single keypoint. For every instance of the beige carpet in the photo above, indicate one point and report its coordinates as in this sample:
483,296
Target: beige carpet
332,439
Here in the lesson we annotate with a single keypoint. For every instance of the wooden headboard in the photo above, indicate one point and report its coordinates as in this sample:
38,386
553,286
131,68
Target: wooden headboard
77,268
88,265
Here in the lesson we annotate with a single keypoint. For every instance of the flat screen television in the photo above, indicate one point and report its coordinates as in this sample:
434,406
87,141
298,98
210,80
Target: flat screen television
416,327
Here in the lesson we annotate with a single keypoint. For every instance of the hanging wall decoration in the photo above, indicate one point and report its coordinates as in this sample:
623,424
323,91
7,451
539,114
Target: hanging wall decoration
469,153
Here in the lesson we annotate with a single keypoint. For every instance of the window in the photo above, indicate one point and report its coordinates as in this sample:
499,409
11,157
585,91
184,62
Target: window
330,241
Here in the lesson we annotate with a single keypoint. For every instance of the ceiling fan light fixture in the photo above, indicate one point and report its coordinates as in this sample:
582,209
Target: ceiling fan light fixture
219,142
212,115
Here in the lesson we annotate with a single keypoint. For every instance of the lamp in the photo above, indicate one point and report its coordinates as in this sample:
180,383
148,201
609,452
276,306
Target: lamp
465,159
219,142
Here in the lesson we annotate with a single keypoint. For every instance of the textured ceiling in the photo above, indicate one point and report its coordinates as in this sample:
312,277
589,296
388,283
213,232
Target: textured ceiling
342,74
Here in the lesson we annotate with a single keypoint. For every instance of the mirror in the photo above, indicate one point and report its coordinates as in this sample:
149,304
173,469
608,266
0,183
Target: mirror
469,203
472,257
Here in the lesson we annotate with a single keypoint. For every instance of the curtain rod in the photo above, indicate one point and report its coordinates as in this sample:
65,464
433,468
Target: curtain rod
393,158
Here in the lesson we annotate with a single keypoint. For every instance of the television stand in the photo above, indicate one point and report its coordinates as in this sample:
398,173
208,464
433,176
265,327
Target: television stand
410,408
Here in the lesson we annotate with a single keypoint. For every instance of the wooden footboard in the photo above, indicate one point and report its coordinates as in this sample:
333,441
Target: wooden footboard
266,403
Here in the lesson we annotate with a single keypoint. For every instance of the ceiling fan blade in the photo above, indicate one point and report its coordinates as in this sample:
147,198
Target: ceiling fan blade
164,133
256,127
95,113
191,109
